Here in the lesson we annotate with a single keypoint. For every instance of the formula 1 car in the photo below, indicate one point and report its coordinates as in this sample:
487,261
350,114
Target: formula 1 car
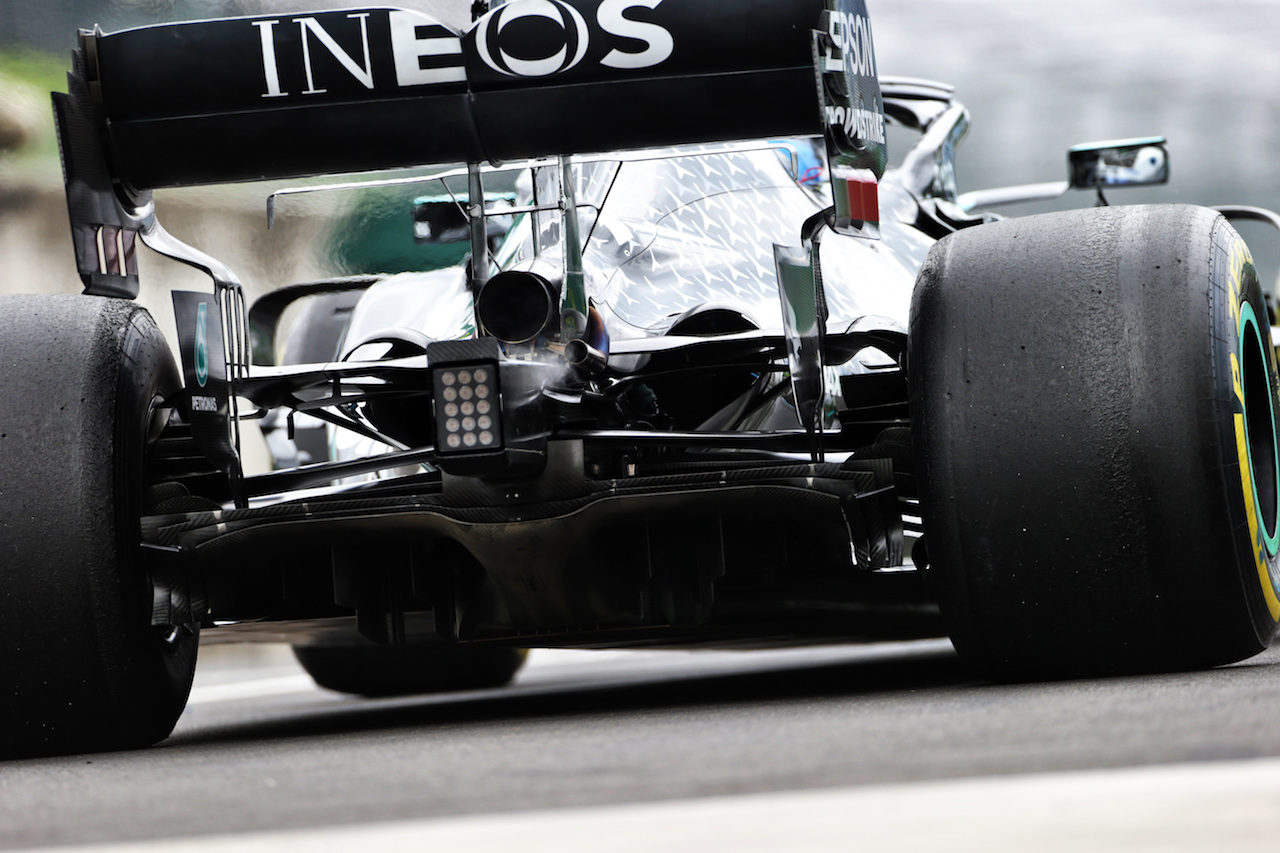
708,390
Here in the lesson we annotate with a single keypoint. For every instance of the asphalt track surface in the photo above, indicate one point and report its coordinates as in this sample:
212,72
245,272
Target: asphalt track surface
799,749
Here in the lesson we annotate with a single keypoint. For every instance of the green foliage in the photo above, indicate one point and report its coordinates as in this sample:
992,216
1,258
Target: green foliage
41,70
27,76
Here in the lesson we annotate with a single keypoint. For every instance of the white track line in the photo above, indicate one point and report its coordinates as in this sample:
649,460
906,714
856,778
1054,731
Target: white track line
1173,809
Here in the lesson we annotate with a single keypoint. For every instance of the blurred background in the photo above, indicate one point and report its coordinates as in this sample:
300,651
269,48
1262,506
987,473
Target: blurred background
1037,75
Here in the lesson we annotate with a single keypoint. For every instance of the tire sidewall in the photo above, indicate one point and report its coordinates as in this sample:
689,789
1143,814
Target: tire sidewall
1246,394
146,383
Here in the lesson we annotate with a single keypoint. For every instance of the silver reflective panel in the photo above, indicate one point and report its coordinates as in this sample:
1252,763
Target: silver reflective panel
671,231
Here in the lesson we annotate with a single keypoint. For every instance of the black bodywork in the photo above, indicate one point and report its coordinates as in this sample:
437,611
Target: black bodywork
613,507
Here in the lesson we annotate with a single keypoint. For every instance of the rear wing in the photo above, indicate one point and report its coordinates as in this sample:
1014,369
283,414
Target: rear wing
295,95
291,95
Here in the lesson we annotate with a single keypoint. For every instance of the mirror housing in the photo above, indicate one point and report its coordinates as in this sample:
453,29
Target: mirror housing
1118,163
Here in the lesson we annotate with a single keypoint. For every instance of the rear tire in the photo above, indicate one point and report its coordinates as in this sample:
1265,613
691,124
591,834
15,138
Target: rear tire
378,670
83,669
1093,402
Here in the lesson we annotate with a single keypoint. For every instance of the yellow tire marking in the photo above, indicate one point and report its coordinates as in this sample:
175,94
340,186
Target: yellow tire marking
1251,513
1239,257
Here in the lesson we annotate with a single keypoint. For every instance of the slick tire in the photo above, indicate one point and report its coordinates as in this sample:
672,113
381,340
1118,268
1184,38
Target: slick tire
84,381
378,670
1093,397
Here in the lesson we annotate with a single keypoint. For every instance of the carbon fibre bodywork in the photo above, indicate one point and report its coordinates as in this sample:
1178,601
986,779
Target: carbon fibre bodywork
678,449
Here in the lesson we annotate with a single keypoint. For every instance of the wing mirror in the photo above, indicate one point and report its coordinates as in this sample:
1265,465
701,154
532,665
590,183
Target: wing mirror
1091,166
1122,163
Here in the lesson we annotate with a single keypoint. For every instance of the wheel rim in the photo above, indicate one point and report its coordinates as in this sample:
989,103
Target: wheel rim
1260,429
172,637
